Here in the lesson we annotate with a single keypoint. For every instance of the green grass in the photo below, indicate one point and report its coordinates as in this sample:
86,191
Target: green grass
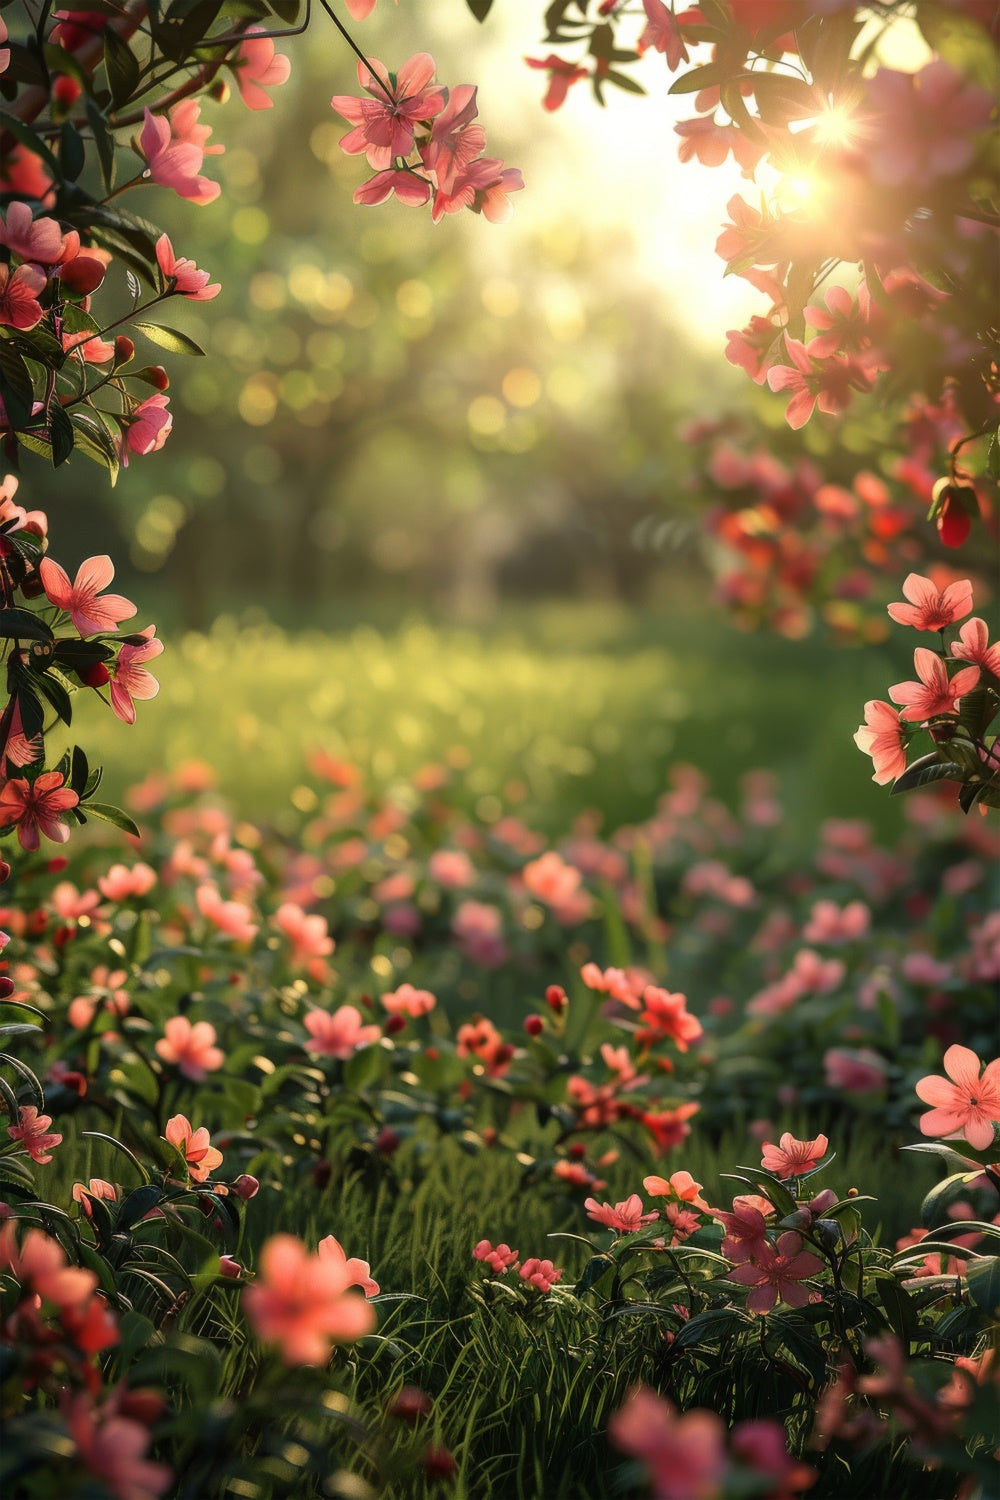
583,707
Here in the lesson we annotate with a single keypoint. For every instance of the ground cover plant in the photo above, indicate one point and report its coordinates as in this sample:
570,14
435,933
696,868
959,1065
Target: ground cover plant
415,1134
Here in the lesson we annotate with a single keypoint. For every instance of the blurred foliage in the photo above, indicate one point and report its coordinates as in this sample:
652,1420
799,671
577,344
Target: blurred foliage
449,412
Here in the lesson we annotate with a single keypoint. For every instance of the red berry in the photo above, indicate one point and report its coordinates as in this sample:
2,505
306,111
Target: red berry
534,1025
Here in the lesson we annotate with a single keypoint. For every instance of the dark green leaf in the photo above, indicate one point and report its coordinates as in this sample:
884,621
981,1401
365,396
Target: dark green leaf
925,770
121,66
137,1205
21,624
113,815
72,151
15,385
480,8
61,433
698,78
595,1268
983,1281
56,694
104,141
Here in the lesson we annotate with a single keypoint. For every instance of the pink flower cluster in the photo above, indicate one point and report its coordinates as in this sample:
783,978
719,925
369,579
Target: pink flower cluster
424,143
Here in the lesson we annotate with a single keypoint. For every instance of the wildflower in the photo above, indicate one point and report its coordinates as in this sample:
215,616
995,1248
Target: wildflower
37,806
39,1263
40,241
746,1231
669,1127
407,1001
231,917
685,1455
183,276
359,1271
883,737
679,1185
340,1034
32,1130
857,1072
309,933
483,186
776,1273
666,1015
194,1145
625,1217
541,1274
409,187
19,293
303,1303
259,67
147,427
80,599
384,124
175,147
791,1158
112,1448
964,1103
562,75
190,1048
455,140
935,693
663,33
930,608
974,646
499,1260
121,883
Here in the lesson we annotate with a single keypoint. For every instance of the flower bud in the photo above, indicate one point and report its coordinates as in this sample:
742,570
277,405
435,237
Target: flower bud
124,349
409,1404
534,1025
556,998
7,986
246,1187
65,92
4,871
394,1025
157,376
230,1267
94,676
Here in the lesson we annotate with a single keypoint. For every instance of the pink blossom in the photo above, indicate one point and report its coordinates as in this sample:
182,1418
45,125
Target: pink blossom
80,600
685,1455
39,1263
680,1186
666,1015
407,1001
826,385
777,1273
190,1048
499,1259
883,737
974,646
39,241
451,868
37,807
483,187
562,75
625,1217
750,349
309,933
129,677
183,275
454,140
935,693
930,608
258,68
112,1448
234,918
923,125
147,427
409,187
746,1231
663,33
360,10
541,1274
304,1303
829,923
32,1130
19,293
175,148
859,1072
340,1034
384,125
791,1158
122,884
963,1102
194,1145
358,1271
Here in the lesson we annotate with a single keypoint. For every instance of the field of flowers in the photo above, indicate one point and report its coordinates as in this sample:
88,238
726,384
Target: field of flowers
396,1069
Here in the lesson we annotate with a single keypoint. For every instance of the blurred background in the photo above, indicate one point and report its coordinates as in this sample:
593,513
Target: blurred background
465,429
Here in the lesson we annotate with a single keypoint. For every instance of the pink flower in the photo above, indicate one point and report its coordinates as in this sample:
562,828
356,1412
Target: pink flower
930,608
663,33
175,148
40,241
258,67
358,1271
935,693
777,1273
409,187
147,427
626,1217
37,806
407,1001
562,75
883,737
309,933
80,600
451,868
190,1048
858,1072
499,1260
826,385
483,186
790,1158
19,293
680,1186
746,1232
974,646
112,1448
32,1130
829,923
963,1101
303,1303
454,140
338,1035
187,280
666,1015
384,124
360,10
194,1145
541,1274
40,1263
923,125
234,918
121,883
685,1455
129,677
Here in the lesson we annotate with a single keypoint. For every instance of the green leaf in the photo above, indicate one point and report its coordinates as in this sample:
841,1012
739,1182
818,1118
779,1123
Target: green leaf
363,1067
61,433
709,1325
57,695
95,442
169,338
933,1210
480,8
122,68
947,1154
595,1268
983,1281
899,1309
960,40
15,385
922,772
72,151
114,815
698,78
97,1135
137,1205
761,1181
23,625
104,140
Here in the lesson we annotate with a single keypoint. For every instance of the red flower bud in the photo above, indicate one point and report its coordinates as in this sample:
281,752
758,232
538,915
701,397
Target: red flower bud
534,1025
556,998
394,1025
7,986
409,1404
246,1187
158,377
124,349
387,1141
94,676
65,91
